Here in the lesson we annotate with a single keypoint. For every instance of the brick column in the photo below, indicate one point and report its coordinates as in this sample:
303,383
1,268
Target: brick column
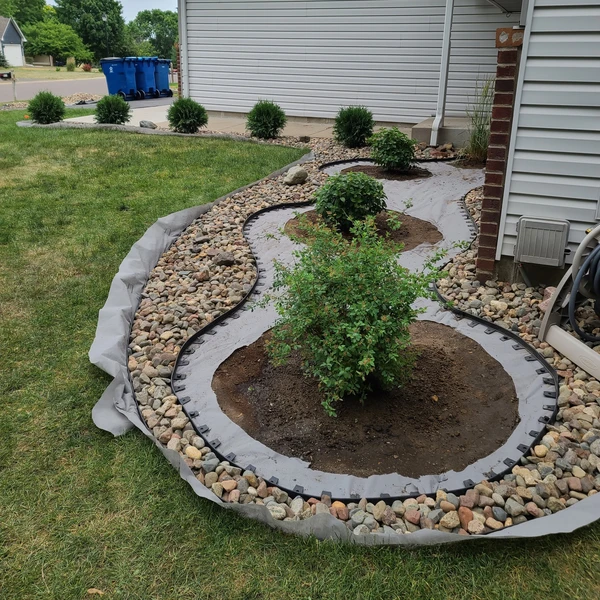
179,76
508,42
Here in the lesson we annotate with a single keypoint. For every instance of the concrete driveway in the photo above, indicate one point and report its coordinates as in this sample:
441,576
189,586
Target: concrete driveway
26,90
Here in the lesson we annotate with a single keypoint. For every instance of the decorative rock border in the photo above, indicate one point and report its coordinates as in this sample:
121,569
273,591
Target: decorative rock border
476,511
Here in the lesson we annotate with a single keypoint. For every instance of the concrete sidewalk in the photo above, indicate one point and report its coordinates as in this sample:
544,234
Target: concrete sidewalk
228,123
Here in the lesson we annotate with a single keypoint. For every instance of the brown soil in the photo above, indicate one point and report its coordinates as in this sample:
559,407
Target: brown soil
469,163
411,233
459,406
380,173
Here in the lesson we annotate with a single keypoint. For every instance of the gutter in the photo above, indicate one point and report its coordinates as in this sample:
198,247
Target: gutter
183,48
438,122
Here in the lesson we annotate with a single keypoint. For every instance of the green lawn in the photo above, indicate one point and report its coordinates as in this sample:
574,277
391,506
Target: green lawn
51,74
80,509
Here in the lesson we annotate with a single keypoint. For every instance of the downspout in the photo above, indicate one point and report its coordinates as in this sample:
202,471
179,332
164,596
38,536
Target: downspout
183,48
438,122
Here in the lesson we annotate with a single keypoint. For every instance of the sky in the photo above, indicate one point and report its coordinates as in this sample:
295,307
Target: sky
132,7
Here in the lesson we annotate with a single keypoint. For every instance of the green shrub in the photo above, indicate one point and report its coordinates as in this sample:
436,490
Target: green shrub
70,67
46,108
112,109
347,198
187,116
57,69
353,126
392,150
3,61
346,307
266,120
480,115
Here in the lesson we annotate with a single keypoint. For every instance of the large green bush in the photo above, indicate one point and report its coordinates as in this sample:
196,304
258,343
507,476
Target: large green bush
349,197
187,116
113,109
3,61
392,150
346,307
266,120
46,108
353,126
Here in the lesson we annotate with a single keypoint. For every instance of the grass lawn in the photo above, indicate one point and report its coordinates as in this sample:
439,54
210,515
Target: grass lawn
51,74
80,509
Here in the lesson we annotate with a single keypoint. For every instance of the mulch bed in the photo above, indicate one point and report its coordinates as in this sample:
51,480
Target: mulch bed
411,233
459,405
380,173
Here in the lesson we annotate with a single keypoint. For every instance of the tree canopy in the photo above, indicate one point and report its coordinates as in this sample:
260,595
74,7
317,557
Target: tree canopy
56,39
157,27
24,12
85,17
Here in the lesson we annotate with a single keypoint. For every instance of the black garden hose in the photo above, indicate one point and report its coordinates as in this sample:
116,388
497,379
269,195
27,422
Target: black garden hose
590,267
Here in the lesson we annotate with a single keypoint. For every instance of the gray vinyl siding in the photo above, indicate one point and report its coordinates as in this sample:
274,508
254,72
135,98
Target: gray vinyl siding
317,55
555,171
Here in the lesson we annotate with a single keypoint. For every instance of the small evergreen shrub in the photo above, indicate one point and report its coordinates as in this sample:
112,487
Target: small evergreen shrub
392,150
70,67
266,120
187,116
346,307
353,126
86,67
3,61
112,109
347,198
46,108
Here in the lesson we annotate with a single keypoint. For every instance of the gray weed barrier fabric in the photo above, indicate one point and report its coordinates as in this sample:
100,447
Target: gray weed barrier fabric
117,411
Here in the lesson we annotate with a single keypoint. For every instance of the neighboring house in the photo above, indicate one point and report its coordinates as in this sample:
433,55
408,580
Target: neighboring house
11,42
314,56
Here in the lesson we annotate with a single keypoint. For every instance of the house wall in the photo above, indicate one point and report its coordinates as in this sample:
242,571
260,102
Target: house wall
314,56
554,161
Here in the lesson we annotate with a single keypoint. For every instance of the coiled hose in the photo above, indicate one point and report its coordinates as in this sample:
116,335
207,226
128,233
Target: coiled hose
591,269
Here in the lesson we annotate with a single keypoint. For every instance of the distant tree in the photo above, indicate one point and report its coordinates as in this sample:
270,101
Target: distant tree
56,39
28,11
159,27
7,8
85,17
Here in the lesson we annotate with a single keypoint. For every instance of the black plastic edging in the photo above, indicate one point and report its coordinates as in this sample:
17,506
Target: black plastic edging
214,444
346,161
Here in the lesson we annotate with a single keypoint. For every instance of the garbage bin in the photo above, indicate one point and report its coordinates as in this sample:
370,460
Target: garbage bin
120,76
144,76
162,69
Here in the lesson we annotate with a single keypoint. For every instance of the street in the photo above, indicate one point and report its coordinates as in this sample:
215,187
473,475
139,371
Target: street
28,89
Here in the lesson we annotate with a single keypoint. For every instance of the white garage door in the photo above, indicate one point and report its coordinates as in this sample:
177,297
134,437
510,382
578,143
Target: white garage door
13,54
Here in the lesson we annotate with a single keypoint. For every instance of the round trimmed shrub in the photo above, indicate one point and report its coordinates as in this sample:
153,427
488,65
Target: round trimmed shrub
46,108
349,197
392,150
353,126
187,116
112,109
346,308
266,120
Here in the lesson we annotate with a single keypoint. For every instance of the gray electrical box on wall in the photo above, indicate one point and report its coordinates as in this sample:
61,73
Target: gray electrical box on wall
541,241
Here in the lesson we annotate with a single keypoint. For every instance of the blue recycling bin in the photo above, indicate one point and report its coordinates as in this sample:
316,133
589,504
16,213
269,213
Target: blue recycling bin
144,76
120,76
162,68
